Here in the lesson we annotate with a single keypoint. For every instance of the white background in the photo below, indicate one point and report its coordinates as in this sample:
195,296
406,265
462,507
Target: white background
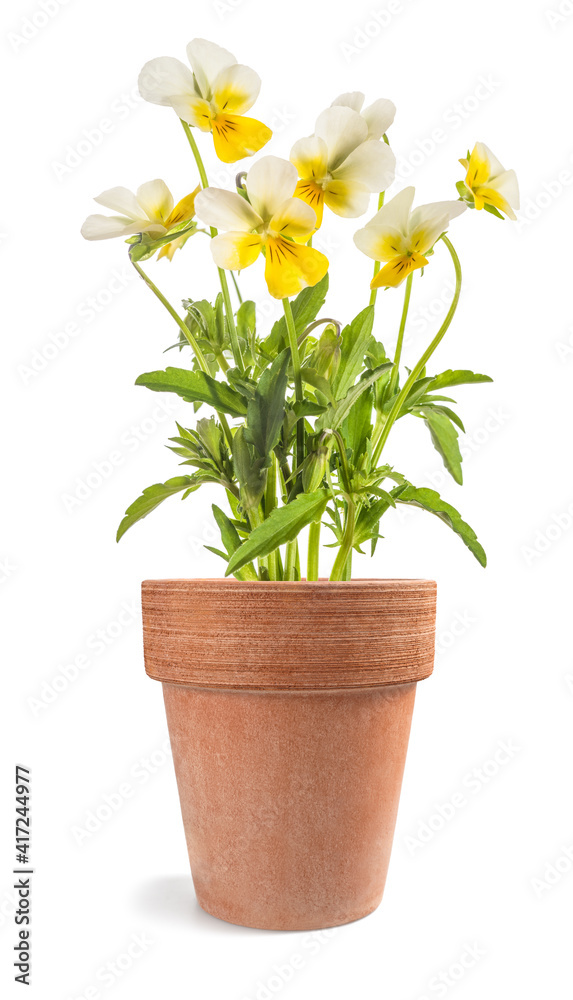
495,877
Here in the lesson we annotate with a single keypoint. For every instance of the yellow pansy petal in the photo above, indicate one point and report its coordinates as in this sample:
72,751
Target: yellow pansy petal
294,218
184,209
479,166
393,274
236,137
347,198
489,196
313,195
236,89
291,267
168,249
234,251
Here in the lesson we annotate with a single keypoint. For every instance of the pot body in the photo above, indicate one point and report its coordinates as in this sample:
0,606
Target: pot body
289,709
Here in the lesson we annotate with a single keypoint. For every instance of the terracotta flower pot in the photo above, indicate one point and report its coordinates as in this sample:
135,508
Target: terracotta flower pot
289,709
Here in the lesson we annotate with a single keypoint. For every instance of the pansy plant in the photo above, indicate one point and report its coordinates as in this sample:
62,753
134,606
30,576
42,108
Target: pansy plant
297,416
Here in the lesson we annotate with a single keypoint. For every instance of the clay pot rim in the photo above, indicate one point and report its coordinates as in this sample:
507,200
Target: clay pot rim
323,582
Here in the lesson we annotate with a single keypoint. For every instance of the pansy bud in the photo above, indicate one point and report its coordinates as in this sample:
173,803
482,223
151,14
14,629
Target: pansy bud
326,355
314,469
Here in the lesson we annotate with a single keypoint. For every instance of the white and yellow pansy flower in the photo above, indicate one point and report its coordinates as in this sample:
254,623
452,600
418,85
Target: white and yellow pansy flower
151,210
213,96
339,166
400,238
378,116
488,183
268,223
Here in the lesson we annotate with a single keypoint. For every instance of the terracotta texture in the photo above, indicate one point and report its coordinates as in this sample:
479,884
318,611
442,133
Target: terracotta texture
289,710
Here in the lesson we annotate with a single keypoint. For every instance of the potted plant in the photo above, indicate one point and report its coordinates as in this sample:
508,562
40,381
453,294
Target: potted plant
289,697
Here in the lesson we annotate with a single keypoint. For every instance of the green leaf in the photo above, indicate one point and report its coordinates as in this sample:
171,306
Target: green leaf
493,210
334,415
282,525
265,411
428,404
355,343
249,470
357,427
305,309
196,387
152,496
459,377
368,520
432,501
232,541
445,440
145,245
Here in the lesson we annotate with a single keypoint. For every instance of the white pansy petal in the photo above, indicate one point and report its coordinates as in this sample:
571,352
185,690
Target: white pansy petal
270,182
294,218
225,210
395,213
155,199
237,250
310,157
380,244
208,60
347,198
507,186
105,227
236,89
353,100
372,164
342,130
379,117
485,153
165,79
427,222
120,200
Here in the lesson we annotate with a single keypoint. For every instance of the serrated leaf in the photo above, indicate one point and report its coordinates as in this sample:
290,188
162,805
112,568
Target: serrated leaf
368,520
152,496
334,415
283,525
265,411
460,376
250,471
196,387
445,440
355,342
431,501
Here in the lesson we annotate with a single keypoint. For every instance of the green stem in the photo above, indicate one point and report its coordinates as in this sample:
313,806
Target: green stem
339,568
313,550
189,338
270,504
398,353
299,394
402,395
374,291
291,560
235,346
237,289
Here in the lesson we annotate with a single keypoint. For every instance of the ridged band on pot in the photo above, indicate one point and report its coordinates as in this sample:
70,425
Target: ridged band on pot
288,636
